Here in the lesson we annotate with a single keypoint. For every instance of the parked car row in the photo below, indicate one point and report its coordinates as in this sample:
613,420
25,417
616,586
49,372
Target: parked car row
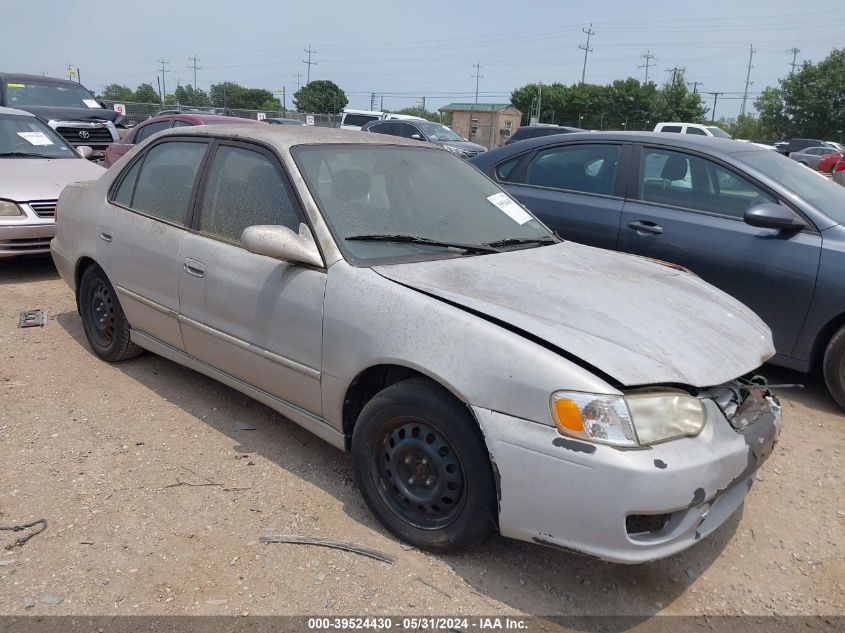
387,296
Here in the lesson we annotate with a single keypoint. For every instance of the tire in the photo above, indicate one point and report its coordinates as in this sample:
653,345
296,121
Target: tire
443,504
833,367
103,320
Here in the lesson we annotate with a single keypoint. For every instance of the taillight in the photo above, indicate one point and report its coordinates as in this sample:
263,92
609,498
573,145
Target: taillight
839,166
56,213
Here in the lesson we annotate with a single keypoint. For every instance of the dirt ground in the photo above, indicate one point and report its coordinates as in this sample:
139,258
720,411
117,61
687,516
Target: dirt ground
156,496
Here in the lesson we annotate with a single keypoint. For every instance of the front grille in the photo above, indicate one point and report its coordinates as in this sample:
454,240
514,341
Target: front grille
44,208
97,135
471,154
25,245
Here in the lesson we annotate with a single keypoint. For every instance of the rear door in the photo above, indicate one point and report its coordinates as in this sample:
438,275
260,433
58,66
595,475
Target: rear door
688,209
573,188
254,317
140,235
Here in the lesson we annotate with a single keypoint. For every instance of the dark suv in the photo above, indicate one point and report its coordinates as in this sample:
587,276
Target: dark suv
423,130
535,131
66,106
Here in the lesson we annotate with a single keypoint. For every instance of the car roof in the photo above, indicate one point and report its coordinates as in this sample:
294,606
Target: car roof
284,137
709,144
39,78
196,116
15,111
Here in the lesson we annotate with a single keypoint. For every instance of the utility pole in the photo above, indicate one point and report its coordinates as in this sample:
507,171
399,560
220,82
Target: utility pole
163,83
539,99
748,81
70,71
647,57
193,65
715,97
372,101
284,102
794,50
677,74
695,85
298,82
477,76
310,63
381,107
586,48
78,76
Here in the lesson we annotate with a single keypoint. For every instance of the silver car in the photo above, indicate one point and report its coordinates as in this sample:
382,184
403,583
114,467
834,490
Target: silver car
393,300
35,165
812,155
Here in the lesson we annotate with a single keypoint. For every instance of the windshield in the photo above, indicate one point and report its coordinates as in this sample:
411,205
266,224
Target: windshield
378,190
22,136
437,132
37,93
824,194
717,131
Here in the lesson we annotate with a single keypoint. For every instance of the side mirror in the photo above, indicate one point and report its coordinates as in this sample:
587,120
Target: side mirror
417,137
773,216
85,151
280,242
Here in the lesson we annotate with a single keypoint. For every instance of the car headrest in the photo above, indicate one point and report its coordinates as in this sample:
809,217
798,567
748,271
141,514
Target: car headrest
675,168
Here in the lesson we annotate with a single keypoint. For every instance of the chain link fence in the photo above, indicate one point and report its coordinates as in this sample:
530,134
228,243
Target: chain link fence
135,113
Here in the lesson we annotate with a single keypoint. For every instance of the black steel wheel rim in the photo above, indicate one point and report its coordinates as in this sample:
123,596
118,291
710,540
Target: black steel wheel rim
101,314
418,473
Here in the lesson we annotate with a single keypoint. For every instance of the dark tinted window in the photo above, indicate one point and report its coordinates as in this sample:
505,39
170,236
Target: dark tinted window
148,130
505,169
691,182
384,128
182,124
585,168
671,128
695,130
167,179
358,119
406,131
244,189
123,195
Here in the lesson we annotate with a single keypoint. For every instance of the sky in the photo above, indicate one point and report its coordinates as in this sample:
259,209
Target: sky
428,50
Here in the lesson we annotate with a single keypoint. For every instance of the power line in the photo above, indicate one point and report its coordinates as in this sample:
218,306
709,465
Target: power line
310,63
193,65
586,48
794,50
647,57
748,81
163,63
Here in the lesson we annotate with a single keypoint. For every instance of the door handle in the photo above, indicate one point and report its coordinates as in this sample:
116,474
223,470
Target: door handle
193,267
644,227
105,235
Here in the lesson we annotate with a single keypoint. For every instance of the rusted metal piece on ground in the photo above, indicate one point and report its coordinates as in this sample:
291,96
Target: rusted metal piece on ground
21,541
32,318
321,542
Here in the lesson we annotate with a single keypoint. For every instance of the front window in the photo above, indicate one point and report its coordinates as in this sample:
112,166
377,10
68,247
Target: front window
26,136
437,132
823,194
717,131
38,93
367,190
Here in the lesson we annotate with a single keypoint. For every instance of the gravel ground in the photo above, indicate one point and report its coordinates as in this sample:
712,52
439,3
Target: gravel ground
156,494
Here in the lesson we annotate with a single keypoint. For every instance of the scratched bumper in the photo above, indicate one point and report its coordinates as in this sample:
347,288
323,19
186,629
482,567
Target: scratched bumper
577,496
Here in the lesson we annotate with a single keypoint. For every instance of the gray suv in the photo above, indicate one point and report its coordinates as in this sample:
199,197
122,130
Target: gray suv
423,130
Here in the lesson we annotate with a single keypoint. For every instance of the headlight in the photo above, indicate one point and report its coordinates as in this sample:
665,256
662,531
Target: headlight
634,420
9,209
454,150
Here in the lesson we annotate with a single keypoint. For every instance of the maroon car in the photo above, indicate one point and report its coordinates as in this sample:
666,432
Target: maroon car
144,130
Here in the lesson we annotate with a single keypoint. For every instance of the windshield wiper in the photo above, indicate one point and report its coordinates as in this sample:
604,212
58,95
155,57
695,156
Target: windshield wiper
514,241
24,155
412,239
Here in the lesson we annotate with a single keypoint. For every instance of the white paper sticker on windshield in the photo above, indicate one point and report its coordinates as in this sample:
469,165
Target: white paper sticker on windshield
510,208
35,138
91,103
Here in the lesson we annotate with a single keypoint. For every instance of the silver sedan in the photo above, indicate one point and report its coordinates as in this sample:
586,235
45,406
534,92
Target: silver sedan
397,303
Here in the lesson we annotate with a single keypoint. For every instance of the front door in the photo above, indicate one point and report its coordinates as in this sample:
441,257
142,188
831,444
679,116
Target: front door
256,318
140,233
689,210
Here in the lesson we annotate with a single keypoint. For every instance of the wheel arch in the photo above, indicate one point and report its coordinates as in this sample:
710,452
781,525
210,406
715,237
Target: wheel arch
82,264
823,338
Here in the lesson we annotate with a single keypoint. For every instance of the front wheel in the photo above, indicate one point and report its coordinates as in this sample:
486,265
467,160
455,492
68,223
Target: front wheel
833,367
103,319
420,462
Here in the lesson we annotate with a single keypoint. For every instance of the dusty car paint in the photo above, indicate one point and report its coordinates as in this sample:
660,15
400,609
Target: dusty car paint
502,332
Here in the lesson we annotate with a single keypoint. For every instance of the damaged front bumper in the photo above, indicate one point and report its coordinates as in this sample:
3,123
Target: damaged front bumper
627,506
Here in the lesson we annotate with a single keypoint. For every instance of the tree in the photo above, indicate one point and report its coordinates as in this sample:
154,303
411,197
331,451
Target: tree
188,96
423,114
320,97
118,92
145,93
772,117
231,95
676,103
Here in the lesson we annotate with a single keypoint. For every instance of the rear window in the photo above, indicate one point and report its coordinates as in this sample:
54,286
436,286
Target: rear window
358,119
671,128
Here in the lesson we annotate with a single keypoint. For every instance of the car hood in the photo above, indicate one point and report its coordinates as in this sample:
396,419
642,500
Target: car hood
24,179
638,321
465,146
89,115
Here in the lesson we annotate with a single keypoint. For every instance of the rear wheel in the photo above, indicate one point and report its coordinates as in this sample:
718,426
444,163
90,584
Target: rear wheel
833,366
422,467
103,320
